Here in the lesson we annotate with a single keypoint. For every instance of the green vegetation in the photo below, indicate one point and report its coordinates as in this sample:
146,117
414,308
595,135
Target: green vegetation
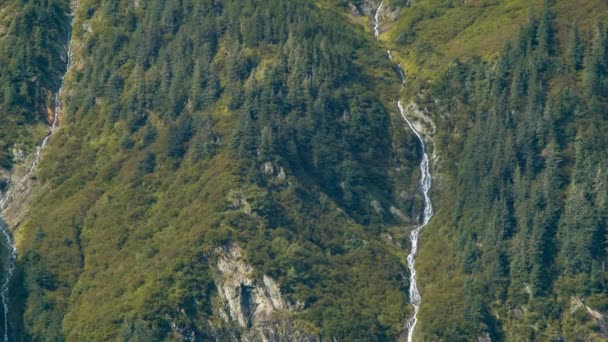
193,124
527,234
430,34
32,56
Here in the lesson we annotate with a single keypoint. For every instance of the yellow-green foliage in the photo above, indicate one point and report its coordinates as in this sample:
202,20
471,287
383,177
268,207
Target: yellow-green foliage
175,108
430,34
30,64
171,112
515,245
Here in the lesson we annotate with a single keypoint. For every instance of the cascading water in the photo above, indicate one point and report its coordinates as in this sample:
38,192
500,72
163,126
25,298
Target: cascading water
10,267
377,20
425,185
401,73
5,232
56,104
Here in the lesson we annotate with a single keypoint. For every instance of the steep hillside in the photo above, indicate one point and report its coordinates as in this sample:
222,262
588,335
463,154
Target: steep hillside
208,148
239,169
520,182
32,36
528,231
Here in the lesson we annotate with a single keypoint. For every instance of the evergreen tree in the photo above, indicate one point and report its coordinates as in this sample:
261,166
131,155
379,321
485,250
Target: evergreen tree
576,51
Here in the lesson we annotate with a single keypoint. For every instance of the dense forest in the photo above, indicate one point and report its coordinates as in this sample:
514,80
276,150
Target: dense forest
33,36
194,124
190,127
530,222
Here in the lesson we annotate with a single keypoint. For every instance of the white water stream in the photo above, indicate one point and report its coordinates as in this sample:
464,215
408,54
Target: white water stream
425,186
399,69
377,20
5,232
56,103
10,267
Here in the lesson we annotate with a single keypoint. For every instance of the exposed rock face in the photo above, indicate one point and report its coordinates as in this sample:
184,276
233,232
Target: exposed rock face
17,185
369,7
484,338
275,172
182,334
600,319
354,10
18,155
424,125
255,305
239,202
398,214
377,206
421,122
248,301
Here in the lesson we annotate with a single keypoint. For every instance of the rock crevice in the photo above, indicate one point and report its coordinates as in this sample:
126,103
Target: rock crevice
255,304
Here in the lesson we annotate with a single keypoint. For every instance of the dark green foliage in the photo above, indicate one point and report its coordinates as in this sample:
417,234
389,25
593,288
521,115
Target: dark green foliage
531,175
147,163
149,135
32,58
192,124
306,116
179,134
576,52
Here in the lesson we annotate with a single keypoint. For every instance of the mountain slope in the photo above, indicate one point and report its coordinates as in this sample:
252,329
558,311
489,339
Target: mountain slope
521,183
188,128
239,170
31,55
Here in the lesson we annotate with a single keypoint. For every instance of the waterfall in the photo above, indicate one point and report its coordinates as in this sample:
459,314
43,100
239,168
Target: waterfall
5,232
377,20
10,267
399,69
425,186
56,104
401,73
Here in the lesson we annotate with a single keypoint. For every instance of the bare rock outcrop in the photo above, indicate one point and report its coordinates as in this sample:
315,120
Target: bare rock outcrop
599,318
255,304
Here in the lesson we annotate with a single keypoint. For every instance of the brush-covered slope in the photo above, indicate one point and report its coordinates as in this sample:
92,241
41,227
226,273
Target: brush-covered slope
517,248
193,126
231,170
32,40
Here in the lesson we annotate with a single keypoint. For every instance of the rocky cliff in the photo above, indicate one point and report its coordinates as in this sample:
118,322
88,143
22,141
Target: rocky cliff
253,303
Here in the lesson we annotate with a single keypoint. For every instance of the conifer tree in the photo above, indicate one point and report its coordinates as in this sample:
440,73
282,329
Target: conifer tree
576,51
